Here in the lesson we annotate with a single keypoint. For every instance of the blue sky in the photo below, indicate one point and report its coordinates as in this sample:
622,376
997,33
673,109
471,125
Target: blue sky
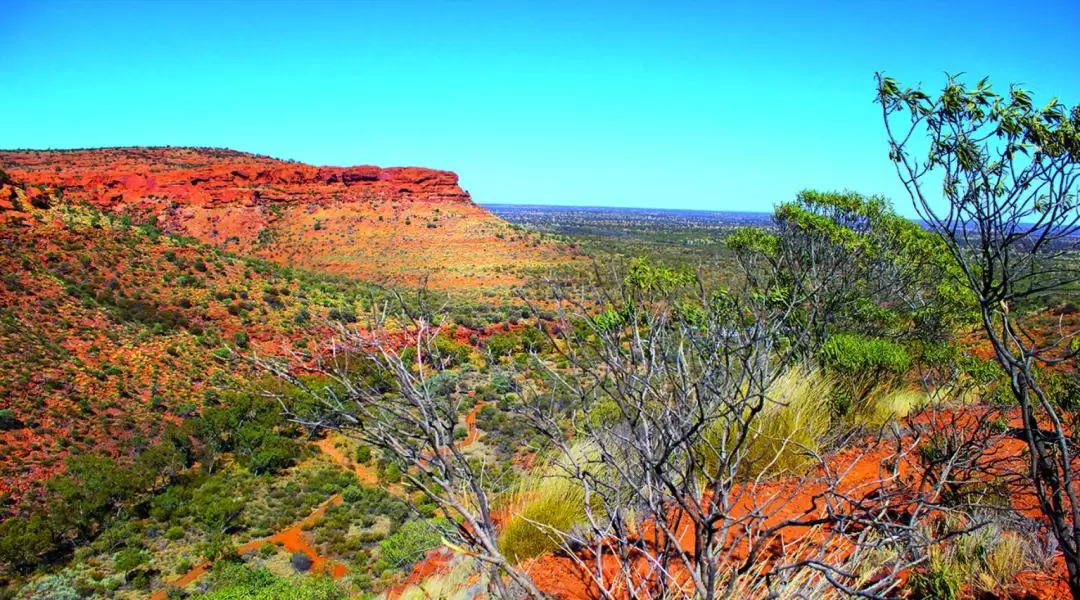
711,105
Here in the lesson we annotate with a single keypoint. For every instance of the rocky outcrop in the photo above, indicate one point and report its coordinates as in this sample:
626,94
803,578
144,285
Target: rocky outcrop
384,225
109,177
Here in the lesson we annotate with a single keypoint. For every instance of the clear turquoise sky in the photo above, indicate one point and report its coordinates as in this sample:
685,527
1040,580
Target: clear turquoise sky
669,104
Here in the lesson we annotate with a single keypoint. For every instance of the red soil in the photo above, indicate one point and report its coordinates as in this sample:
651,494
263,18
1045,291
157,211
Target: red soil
292,539
365,473
860,473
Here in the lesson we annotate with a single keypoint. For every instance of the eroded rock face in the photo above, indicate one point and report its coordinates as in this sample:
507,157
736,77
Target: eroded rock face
386,225
206,177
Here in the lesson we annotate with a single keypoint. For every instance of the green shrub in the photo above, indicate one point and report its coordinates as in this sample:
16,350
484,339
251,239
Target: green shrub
786,434
174,533
8,419
409,544
352,494
940,579
545,506
857,355
129,558
363,454
860,366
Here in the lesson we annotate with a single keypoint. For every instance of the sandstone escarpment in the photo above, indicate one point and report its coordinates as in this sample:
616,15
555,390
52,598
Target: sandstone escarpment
387,225
203,177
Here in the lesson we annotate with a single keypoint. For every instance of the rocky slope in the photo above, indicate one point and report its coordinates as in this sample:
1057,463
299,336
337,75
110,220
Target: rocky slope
398,225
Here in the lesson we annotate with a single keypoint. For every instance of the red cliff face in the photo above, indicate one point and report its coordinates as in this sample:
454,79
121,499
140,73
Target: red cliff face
400,224
205,177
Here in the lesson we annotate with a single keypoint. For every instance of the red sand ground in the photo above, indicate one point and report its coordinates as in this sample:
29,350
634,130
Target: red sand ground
860,473
292,539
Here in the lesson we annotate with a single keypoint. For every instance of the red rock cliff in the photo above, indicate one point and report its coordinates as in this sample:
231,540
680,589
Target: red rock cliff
401,224
208,177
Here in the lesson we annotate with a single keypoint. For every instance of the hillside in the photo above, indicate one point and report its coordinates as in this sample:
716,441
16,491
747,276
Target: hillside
387,225
110,330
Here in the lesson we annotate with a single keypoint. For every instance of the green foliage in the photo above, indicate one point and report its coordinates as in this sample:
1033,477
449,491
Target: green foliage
24,542
8,419
753,240
451,352
409,544
363,454
859,356
645,276
129,558
544,507
870,271
609,320
216,504
342,314
51,587
233,581
249,425
863,368
940,580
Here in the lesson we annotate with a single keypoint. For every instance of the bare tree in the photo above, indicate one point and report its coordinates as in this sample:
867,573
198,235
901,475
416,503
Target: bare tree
662,418
1010,218
388,390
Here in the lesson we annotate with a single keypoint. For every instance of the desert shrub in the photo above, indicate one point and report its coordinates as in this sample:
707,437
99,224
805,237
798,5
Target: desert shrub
986,559
352,494
557,504
51,587
941,579
174,533
8,419
301,562
502,344
409,544
451,353
785,435
860,356
235,581
860,365
363,454
129,558
215,547
342,314
24,541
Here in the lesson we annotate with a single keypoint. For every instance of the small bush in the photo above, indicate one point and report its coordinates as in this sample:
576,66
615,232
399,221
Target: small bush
941,579
409,544
860,356
8,419
363,454
174,533
785,435
301,562
129,558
